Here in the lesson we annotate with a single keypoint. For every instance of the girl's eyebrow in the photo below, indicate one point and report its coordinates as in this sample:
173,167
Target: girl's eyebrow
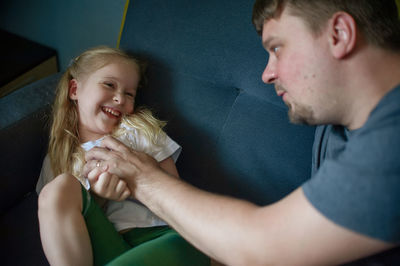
117,79
111,77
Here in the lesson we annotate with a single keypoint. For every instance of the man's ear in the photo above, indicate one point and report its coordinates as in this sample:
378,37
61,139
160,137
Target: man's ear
342,34
72,87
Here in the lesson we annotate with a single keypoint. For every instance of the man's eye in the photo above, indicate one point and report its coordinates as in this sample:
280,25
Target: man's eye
275,49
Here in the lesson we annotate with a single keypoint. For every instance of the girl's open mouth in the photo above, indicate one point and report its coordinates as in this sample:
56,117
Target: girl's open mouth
111,112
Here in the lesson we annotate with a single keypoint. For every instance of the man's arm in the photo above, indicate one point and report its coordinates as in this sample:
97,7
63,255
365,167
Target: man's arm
236,232
290,232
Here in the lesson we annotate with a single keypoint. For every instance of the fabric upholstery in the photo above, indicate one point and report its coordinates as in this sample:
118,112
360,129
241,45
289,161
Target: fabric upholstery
204,78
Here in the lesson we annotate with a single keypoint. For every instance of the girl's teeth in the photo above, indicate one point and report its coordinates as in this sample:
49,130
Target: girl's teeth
108,110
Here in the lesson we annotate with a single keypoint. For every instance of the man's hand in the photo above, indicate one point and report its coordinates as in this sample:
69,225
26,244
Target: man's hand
118,160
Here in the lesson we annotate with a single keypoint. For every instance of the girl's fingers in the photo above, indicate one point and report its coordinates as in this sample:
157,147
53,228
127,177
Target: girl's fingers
94,174
112,184
125,194
120,187
102,183
122,190
108,186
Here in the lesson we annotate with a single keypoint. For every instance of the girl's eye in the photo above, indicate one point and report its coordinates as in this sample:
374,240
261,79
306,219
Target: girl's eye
109,84
129,94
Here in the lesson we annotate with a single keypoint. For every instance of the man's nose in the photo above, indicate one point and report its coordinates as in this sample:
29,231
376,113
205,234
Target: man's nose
269,75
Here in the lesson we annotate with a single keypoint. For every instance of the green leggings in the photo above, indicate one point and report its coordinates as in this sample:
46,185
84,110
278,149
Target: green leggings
158,245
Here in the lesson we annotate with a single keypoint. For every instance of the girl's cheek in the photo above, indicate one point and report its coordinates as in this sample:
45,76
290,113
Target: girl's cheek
130,109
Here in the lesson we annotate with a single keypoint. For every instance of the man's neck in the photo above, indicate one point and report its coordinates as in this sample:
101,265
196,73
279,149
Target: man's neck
376,72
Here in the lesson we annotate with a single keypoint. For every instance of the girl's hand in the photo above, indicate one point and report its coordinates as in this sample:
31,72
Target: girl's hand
109,186
115,158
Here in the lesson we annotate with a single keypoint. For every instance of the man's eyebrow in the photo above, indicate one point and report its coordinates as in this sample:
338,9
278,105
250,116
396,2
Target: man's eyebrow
266,42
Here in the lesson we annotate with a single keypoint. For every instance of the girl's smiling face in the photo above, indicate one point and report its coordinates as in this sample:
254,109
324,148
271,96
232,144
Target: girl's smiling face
103,97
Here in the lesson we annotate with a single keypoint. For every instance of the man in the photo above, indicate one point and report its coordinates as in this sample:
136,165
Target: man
334,63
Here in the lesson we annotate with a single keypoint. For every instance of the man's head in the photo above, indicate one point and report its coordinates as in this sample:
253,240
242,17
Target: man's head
318,53
377,20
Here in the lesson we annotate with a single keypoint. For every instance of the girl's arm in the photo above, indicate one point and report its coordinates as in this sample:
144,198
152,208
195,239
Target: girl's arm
168,165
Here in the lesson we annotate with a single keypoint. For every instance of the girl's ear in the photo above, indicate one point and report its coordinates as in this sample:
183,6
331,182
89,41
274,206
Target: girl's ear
72,87
343,34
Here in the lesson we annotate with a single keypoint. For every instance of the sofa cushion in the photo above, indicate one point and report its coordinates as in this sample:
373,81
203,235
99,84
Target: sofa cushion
205,66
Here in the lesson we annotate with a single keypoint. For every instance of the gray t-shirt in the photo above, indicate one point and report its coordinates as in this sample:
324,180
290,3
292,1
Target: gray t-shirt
356,174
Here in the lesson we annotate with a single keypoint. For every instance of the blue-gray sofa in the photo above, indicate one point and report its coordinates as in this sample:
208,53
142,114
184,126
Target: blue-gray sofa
204,77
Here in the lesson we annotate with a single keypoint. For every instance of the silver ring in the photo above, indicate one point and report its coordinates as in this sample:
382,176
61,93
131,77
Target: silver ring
98,164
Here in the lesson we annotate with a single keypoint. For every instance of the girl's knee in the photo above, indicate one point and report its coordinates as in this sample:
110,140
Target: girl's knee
62,191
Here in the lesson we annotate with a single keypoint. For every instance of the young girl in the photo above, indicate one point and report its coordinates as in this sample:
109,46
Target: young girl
95,97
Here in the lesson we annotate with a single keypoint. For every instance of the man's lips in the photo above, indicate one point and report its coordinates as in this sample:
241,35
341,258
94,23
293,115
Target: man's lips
281,93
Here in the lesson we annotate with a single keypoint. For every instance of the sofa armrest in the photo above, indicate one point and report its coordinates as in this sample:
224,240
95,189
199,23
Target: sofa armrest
24,117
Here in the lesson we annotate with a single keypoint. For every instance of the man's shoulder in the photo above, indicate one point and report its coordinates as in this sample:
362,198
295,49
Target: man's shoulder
387,111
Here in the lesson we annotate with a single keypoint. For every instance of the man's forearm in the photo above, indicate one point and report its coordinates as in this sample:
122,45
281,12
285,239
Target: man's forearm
214,224
236,232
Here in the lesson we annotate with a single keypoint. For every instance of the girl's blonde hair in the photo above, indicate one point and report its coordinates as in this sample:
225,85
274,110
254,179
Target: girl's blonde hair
64,145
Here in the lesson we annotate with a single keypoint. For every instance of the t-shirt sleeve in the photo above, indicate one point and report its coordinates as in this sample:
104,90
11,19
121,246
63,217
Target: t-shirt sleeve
169,149
360,188
164,147
46,174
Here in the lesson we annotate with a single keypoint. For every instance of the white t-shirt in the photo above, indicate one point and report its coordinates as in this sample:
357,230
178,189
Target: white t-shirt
129,213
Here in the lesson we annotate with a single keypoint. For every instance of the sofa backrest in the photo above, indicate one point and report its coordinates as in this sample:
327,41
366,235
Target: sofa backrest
204,78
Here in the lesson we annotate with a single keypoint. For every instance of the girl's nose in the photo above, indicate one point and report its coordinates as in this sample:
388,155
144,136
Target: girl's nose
119,98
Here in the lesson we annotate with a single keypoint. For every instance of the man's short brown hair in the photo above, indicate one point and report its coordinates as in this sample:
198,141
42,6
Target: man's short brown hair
377,20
